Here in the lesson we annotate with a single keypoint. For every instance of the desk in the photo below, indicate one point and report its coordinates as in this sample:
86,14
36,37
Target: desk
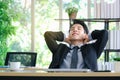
39,74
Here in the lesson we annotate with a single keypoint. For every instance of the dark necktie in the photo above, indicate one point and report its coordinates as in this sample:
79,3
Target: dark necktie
74,59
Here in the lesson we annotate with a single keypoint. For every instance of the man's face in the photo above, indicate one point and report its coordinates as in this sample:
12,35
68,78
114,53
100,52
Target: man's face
76,32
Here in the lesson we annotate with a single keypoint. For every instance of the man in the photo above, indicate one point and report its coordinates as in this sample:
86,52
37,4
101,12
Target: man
87,53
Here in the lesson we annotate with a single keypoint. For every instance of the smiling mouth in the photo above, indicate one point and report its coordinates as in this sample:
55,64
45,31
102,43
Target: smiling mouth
74,34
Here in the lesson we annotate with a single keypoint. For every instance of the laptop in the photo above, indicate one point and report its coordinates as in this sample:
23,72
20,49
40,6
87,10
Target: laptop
67,70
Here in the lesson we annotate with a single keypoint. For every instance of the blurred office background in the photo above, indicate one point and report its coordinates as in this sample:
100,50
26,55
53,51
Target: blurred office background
33,17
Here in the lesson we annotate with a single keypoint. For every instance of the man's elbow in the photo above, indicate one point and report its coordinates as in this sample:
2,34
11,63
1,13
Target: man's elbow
106,34
46,34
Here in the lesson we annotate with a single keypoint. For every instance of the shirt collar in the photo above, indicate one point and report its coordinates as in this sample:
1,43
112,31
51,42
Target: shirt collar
71,46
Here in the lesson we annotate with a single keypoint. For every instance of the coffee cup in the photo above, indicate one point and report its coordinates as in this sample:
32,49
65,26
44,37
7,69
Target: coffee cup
117,66
15,65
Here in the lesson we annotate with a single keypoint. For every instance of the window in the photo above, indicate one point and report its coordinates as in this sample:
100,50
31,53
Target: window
21,11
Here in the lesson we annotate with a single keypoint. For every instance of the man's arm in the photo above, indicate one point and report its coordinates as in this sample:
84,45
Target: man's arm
102,38
51,38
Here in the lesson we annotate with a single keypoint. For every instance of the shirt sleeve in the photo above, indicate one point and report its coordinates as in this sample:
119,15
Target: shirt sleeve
64,37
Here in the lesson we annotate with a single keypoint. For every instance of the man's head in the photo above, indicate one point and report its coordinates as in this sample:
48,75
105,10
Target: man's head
78,30
75,21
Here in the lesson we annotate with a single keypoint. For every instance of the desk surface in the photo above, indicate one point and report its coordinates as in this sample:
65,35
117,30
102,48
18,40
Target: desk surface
40,72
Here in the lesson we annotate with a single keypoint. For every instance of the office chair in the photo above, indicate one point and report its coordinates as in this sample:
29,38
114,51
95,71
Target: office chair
26,58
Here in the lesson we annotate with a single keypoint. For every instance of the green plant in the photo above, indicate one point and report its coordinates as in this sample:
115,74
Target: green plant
71,10
116,59
6,28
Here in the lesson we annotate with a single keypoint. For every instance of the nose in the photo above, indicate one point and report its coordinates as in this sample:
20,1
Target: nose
75,29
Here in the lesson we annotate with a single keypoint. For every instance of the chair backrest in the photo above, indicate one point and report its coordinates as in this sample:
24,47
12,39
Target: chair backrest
26,58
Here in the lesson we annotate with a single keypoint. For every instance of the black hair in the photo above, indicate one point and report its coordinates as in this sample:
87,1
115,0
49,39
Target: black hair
75,21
